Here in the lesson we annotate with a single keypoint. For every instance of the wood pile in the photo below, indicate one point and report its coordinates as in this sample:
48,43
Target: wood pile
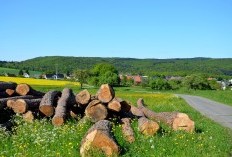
99,109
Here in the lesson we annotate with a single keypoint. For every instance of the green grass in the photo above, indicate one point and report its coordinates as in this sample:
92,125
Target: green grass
216,95
16,71
41,138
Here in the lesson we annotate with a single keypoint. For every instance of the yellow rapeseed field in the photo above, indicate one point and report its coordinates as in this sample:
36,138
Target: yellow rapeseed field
32,81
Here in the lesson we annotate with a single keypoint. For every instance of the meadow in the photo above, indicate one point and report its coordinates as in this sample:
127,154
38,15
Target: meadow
16,71
41,138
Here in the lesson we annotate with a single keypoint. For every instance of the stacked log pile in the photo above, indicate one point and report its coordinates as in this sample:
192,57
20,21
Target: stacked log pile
99,109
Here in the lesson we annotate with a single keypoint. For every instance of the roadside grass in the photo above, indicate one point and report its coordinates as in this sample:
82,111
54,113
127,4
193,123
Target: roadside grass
41,138
216,95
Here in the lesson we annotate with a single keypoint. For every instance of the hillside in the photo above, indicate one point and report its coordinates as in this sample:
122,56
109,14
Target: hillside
209,66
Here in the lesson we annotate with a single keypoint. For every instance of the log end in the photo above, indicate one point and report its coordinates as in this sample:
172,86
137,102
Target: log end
23,89
98,139
10,103
47,110
28,117
83,97
57,121
106,93
114,105
96,111
20,106
148,127
183,122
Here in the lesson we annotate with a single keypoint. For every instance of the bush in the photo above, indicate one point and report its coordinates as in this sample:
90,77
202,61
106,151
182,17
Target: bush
159,84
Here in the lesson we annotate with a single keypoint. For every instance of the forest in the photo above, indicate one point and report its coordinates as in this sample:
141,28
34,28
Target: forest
210,67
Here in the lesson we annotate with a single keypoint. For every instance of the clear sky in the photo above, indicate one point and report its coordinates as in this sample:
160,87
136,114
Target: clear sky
115,28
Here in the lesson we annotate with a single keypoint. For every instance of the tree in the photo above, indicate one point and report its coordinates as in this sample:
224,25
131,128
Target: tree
27,71
20,72
159,84
82,76
196,82
104,73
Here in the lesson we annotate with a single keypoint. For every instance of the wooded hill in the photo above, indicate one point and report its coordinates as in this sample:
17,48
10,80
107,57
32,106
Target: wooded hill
209,66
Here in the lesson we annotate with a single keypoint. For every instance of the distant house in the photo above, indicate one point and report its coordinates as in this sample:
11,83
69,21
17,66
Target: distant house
54,76
136,78
178,78
26,75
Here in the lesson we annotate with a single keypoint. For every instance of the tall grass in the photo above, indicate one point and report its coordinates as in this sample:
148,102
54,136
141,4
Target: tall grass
41,138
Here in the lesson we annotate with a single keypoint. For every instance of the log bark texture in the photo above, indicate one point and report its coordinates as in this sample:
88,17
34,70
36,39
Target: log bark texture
106,93
64,103
99,136
48,102
127,130
23,105
96,111
83,97
147,127
25,89
176,120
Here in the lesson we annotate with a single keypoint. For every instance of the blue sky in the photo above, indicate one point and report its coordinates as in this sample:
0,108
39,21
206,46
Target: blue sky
115,28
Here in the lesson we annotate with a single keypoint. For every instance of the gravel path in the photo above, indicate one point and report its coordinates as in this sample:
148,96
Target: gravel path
216,111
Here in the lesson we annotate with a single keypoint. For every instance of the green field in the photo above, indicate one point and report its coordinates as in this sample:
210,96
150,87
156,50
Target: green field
16,71
41,138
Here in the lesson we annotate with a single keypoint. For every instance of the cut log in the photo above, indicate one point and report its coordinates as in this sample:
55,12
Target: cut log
127,130
136,112
3,101
125,105
10,92
3,94
28,116
10,103
147,127
176,120
25,89
106,93
83,97
48,102
23,105
96,111
7,85
114,105
64,103
99,136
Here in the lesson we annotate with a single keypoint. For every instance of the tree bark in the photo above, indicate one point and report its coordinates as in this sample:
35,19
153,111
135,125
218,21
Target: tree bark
64,103
147,127
136,112
48,102
99,136
176,120
96,111
127,130
7,85
25,89
106,93
23,105
83,97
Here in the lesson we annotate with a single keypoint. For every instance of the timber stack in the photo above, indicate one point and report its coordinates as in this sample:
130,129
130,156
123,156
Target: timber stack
101,109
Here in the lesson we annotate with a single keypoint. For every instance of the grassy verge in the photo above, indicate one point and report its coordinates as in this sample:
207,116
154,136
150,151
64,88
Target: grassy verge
42,139
216,95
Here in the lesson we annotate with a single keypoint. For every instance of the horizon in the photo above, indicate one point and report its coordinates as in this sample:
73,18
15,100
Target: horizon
116,57
124,29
